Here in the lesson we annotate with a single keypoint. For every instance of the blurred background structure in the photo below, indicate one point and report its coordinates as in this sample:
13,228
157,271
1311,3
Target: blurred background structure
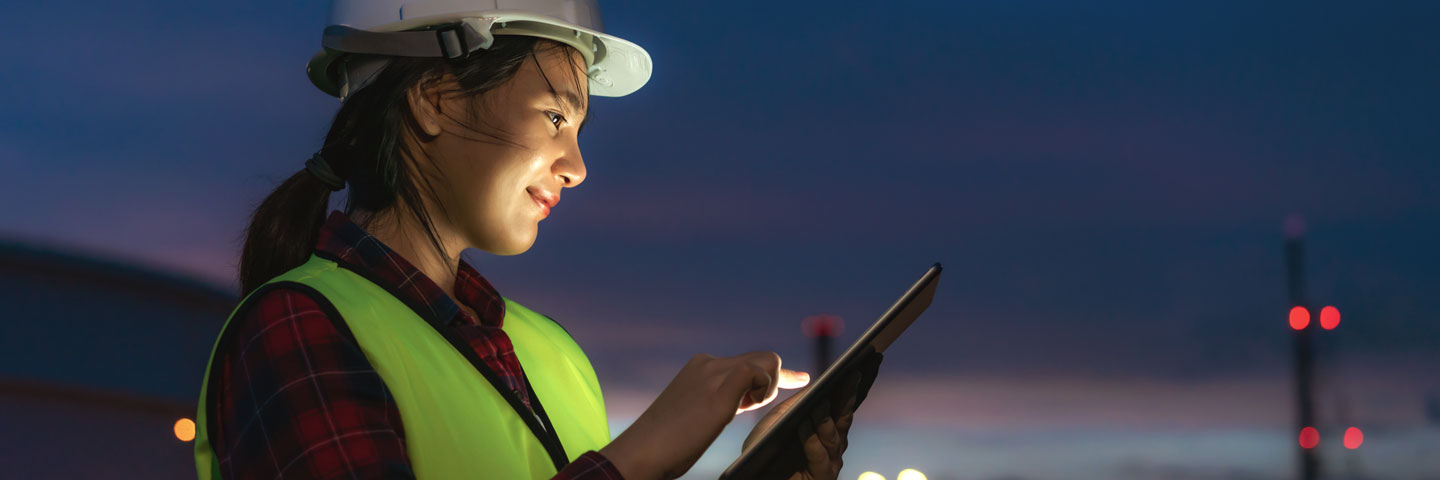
98,362
1105,183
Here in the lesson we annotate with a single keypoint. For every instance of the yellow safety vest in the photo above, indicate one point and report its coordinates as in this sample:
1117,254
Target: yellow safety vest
458,424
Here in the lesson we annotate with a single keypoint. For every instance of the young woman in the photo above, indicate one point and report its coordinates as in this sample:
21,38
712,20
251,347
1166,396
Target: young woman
366,348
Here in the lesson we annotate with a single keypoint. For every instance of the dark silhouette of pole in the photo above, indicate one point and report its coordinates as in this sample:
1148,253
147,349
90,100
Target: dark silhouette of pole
822,328
822,352
1304,354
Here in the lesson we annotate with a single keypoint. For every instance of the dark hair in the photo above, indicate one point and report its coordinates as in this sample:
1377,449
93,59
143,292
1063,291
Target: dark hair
365,145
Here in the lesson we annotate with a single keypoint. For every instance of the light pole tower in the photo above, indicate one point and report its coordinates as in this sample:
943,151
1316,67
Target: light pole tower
823,328
1304,354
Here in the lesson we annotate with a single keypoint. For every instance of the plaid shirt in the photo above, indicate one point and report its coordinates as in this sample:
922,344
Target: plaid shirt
297,398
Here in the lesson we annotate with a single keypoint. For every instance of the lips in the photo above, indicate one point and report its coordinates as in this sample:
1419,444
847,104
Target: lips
544,199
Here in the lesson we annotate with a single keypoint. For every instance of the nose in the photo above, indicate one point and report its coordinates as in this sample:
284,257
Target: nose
570,167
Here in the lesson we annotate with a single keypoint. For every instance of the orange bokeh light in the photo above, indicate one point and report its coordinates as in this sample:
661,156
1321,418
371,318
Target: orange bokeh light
185,429
1309,437
1299,318
1329,318
1353,438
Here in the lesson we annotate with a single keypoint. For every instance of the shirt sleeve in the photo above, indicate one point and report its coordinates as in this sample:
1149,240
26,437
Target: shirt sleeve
589,466
298,399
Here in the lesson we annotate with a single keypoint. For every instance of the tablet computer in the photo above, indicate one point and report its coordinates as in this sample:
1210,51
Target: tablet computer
778,454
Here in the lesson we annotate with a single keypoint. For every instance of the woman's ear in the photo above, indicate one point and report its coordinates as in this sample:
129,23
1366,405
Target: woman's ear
424,98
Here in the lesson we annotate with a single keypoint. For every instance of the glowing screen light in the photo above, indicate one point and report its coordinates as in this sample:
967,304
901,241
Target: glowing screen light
1309,437
871,476
1329,318
1299,318
185,429
910,474
1353,438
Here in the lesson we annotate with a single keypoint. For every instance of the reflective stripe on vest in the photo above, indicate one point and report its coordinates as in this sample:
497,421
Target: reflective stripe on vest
456,424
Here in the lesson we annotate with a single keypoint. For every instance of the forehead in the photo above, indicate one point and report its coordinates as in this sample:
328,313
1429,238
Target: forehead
559,69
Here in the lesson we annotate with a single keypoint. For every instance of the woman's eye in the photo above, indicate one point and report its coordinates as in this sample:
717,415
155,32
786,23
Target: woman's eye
555,118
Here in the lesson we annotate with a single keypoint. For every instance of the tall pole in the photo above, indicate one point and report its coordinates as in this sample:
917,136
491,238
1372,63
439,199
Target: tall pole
822,352
823,328
1304,355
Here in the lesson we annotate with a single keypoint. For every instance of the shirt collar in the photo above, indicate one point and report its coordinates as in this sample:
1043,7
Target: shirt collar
350,246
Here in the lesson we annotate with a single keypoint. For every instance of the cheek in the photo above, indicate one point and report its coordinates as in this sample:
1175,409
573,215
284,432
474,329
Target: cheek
498,190
487,190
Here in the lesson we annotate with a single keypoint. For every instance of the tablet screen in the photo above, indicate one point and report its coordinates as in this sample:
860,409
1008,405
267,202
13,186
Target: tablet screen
777,454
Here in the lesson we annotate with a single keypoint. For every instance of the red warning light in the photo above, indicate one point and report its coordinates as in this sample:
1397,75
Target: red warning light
1353,438
823,326
1299,318
1329,318
1309,437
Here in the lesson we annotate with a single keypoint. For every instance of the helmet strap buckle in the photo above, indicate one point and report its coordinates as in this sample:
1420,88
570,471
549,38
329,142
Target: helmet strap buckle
470,34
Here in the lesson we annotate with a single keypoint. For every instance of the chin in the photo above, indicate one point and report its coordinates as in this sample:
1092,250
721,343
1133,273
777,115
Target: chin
504,242
513,252
519,246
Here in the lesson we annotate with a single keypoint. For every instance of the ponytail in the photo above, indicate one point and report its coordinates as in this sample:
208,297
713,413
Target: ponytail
283,229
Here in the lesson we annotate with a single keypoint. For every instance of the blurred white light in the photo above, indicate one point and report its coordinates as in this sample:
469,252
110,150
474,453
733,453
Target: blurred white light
910,474
871,476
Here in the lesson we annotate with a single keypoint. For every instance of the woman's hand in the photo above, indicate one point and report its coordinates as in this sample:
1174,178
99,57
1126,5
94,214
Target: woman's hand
825,441
823,438
687,416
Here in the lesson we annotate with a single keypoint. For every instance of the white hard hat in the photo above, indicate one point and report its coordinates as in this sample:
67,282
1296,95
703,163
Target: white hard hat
378,29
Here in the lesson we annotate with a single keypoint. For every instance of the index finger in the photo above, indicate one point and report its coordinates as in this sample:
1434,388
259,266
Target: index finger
791,379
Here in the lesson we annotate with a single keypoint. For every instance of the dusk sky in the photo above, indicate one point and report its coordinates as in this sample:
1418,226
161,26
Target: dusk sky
1105,184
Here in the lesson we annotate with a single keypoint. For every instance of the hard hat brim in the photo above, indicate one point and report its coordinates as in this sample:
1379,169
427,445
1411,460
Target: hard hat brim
617,67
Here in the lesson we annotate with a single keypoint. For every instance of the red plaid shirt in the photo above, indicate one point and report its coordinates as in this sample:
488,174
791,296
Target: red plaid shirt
295,397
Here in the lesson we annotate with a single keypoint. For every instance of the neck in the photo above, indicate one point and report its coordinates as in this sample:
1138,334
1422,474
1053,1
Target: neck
407,237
